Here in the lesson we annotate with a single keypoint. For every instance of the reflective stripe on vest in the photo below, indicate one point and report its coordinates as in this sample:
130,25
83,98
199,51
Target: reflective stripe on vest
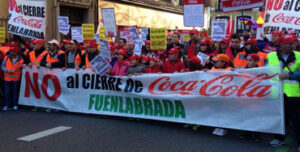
17,67
290,88
53,59
36,61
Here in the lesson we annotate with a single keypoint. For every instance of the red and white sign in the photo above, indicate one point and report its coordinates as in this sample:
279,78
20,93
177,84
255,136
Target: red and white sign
130,33
236,5
193,13
27,18
282,15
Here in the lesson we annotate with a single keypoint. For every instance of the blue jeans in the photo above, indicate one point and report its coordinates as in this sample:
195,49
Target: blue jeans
11,92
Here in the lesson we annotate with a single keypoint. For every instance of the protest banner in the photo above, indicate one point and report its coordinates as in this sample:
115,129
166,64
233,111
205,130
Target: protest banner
193,13
244,99
130,33
63,24
144,34
202,57
282,15
138,44
26,23
236,5
88,32
109,21
104,50
102,34
77,34
158,38
2,34
218,30
100,65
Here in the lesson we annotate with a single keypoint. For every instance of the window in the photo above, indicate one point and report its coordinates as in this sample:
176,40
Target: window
240,26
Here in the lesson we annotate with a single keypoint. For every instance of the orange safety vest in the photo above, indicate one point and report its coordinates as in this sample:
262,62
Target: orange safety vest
241,59
227,68
4,49
36,61
87,62
77,60
17,67
53,59
26,52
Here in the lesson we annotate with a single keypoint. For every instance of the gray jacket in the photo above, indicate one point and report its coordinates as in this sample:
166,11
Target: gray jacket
135,69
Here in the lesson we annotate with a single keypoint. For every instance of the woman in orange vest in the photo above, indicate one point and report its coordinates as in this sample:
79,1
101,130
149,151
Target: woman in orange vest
55,58
35,57
222,62
12,67
240,61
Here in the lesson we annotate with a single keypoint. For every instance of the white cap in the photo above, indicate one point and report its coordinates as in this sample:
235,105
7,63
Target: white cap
53,42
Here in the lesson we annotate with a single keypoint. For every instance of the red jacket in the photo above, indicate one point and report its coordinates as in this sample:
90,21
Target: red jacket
170,67
155,69
120,68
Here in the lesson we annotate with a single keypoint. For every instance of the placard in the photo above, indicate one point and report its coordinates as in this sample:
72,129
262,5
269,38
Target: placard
109,21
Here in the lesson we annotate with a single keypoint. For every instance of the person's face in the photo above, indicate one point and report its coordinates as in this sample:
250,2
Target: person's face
68,46
121,43
175,38
251,63
152,63
248,46
120,57
148,47
219,64
85,46
130,46
223,45
274,38
52,47
235,43
203,47
287,47
92,49
169,39
193,36
13,53
173,56
73,47
134,61
37,46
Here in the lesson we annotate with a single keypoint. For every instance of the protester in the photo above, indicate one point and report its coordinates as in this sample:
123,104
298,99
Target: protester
86,45
207,47
120,67
223,45
272,46
175,42
145,60
235,47
222,61
195,64
122,43
130,49
135,68
153,66
192,48
291,88
12,67
169,39
1,78
92,52
252,60
55,58
74,55
35,57
174,64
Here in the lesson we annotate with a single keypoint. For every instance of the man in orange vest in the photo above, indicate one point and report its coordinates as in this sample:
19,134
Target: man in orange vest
35,57
73,55
92,52
55,58
12,67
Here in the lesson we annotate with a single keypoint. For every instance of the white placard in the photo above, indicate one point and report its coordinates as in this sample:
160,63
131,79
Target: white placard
109,21
138,44
63,24
218,30
100,65
77,34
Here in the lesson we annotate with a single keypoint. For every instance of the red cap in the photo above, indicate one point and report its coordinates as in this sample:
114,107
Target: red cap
294,37
174,51
87,41
93,44
134,57
194,31
14,49
32,40
146,58
14,44
122,52
285,39
253,56
251,41
224,40
278,33
147,42
27,44
195,60
38,41
154,59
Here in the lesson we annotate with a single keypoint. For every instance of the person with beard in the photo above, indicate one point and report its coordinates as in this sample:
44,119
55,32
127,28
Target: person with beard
55,58
35,57
235,47
240,61
120,67
130,48
73,55
272,46
92,52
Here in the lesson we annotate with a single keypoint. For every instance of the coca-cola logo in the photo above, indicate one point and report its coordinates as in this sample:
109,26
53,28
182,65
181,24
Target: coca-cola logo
240,2
32,23
281,18
219,86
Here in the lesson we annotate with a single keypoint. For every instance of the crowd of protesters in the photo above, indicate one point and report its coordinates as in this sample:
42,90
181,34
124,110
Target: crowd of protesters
236,51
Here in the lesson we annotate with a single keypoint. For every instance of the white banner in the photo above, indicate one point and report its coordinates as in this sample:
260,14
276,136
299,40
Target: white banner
245,99
63,25
27,18
193,13
218,30
77,34
237,5
282,15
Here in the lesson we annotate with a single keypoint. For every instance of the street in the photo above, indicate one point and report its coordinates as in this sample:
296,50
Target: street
100,133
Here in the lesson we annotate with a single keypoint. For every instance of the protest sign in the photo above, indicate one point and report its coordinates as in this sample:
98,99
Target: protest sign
100,65
63,24
259,31
202,57
244,99
236,5
158,38
138,44
26,23
193,13
104,50
109,21
77,34
130,33
2,34
218,30
144,34
102,34
88,31
282,15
